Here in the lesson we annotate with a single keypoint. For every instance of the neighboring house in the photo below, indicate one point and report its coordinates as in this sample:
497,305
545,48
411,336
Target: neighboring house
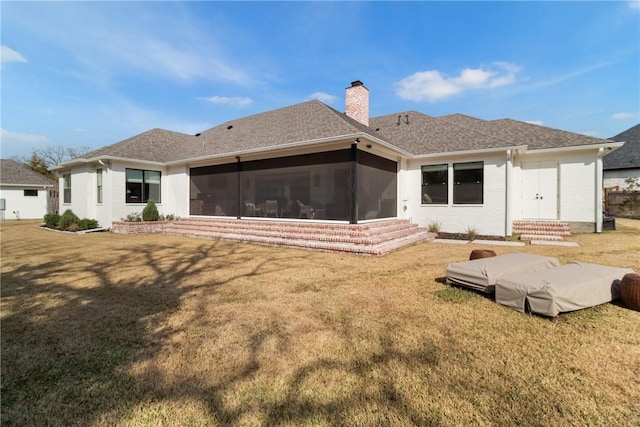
624,162
25,194
310,162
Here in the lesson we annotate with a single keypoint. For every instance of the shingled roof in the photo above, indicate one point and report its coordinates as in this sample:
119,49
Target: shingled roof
627,156
419,133
314,121
14,173
515,132
308,121
155,145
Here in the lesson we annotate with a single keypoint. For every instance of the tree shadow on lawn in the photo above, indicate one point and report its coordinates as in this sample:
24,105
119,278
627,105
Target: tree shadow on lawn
68,346
70,330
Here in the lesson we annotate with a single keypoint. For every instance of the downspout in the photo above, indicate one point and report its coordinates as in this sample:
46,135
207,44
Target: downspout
508,217
599,173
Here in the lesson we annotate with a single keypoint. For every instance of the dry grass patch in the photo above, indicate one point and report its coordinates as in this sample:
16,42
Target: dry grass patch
106,329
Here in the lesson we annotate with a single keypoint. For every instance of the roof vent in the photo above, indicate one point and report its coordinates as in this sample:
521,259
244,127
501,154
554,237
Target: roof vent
198,134
229,127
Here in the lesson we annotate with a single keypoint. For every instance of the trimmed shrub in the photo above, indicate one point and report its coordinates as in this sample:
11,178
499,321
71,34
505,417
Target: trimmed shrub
150,212
68,218
51,220
87,224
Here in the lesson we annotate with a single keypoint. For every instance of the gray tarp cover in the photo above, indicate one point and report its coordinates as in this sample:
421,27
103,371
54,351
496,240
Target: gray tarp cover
482,273
571,287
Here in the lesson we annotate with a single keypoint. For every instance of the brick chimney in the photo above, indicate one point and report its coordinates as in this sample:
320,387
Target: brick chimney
357,100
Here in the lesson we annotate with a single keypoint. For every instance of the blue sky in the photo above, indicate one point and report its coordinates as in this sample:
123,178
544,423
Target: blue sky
94,73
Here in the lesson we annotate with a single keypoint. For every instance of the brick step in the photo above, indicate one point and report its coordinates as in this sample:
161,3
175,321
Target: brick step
269,228
375,249
542,228
544,237
367,239
283,231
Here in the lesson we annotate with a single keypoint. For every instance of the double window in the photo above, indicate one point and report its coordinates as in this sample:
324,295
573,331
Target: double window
142,186
468,184
66,185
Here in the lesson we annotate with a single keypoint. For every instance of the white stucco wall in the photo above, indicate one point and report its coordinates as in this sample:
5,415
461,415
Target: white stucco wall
177,190
577,184
577,177
114,206
19,206
80,177
489,218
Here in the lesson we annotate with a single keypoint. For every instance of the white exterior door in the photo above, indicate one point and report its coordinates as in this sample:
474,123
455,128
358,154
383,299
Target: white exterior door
540,190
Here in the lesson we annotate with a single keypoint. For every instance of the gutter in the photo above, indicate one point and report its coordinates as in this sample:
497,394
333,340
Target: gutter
521,149
603,149
100,159
28,185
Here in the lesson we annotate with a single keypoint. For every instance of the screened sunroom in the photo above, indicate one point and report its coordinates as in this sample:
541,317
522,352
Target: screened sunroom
347,185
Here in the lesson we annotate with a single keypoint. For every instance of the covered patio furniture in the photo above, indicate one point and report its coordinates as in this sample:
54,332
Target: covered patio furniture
567,288
482,273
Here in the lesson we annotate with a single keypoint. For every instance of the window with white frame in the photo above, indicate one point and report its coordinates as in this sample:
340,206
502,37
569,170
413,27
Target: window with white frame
99,185
66,185
142,186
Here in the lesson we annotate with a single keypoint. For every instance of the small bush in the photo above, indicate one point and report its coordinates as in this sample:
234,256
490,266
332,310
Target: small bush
51,220
434,226
150,212
170,217
133,217
87,224
472,233
68,218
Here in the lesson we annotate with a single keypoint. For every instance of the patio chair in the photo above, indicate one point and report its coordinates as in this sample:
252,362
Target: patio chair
250,209
306,211
271,208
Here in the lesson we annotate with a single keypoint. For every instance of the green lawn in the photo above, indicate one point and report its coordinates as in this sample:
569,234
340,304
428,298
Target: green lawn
104,329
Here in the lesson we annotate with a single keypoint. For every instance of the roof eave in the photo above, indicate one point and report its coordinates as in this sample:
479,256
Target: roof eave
603,149
28,185
294,145
97,159
520,148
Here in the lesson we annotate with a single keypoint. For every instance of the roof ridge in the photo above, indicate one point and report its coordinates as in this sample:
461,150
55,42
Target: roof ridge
275,110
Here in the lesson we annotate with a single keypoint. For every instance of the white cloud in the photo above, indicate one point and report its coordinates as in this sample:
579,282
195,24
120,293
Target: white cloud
623,116
9,55
237,101
324,97
433,85
22,138
131,38
634,4
535,122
